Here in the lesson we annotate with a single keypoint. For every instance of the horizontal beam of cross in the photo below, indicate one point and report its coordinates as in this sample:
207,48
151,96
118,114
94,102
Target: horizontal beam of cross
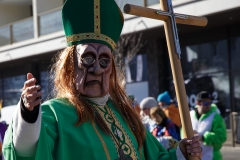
154,14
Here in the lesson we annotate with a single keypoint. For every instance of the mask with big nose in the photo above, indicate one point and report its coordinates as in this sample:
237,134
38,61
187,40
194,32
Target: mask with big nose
93,67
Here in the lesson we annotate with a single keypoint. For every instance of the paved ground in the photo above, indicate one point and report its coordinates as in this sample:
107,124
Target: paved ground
231,153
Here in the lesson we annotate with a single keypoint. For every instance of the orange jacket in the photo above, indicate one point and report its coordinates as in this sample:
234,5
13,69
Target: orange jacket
172,113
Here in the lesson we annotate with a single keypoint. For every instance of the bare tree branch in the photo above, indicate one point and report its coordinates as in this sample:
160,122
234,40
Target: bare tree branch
127,47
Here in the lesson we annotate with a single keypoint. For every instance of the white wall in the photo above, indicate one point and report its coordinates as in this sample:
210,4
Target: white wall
47,5
11,13
52,42
139,90
198,8
7,113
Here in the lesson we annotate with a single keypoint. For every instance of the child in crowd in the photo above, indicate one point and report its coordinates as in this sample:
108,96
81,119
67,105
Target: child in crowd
163,125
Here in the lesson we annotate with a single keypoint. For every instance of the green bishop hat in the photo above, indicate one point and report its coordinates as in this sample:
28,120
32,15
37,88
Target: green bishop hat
92,21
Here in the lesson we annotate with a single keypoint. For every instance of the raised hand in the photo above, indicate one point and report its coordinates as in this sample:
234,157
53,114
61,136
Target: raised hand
30,94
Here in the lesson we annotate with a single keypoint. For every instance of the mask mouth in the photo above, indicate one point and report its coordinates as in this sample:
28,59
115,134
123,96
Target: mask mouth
93,82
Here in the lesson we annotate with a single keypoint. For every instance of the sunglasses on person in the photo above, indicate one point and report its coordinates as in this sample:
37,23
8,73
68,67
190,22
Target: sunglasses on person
89,61
206,103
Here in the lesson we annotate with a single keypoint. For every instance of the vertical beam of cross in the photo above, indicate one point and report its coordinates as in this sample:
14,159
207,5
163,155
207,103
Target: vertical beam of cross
167,15
177,73
171,15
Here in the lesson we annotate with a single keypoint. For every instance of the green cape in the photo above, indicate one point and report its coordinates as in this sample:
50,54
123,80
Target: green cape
61,139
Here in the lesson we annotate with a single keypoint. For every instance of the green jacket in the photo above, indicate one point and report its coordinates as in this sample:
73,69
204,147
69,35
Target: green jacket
212,127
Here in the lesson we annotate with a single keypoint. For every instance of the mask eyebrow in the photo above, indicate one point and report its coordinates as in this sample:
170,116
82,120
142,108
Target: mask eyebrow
104,55
88,51
107,49
90,48
80,49
104,52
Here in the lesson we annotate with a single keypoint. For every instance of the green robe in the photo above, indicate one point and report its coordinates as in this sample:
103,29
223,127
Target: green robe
61,139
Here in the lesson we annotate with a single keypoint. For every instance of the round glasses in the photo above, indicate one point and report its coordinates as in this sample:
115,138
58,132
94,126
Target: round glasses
89,61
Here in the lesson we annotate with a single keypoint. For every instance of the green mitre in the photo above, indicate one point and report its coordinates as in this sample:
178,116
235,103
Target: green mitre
92,21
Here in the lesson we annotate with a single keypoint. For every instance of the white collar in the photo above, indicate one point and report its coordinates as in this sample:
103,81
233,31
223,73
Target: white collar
101,101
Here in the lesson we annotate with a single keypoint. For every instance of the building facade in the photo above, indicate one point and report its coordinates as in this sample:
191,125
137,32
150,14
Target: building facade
31,34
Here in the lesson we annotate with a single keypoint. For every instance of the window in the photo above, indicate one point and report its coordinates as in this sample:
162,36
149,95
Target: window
1,89
12,89
205,68
136,69
46,86
235,53
205,58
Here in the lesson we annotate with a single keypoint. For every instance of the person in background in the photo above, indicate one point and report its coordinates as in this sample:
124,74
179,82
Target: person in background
171,111
91,116
145,105
3,128
1,142
209,125
213,106
163,125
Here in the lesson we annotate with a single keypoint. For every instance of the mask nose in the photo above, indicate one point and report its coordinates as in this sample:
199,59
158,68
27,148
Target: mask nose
96,69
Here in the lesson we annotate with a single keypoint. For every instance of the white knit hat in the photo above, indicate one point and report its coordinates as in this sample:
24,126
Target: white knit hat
148,102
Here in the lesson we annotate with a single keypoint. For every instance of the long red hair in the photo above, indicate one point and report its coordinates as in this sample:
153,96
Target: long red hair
64,87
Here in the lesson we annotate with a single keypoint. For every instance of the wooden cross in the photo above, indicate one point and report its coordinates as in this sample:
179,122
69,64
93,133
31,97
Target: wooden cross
170,19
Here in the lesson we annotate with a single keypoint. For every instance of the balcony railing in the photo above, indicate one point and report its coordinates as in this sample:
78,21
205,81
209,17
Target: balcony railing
151,2
22,30
48,22
5,37
16,32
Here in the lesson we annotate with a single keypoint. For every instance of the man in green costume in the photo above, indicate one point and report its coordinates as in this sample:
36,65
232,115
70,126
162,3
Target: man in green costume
91,117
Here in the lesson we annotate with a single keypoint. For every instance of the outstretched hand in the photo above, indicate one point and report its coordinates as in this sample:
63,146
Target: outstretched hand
30,94
191,147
